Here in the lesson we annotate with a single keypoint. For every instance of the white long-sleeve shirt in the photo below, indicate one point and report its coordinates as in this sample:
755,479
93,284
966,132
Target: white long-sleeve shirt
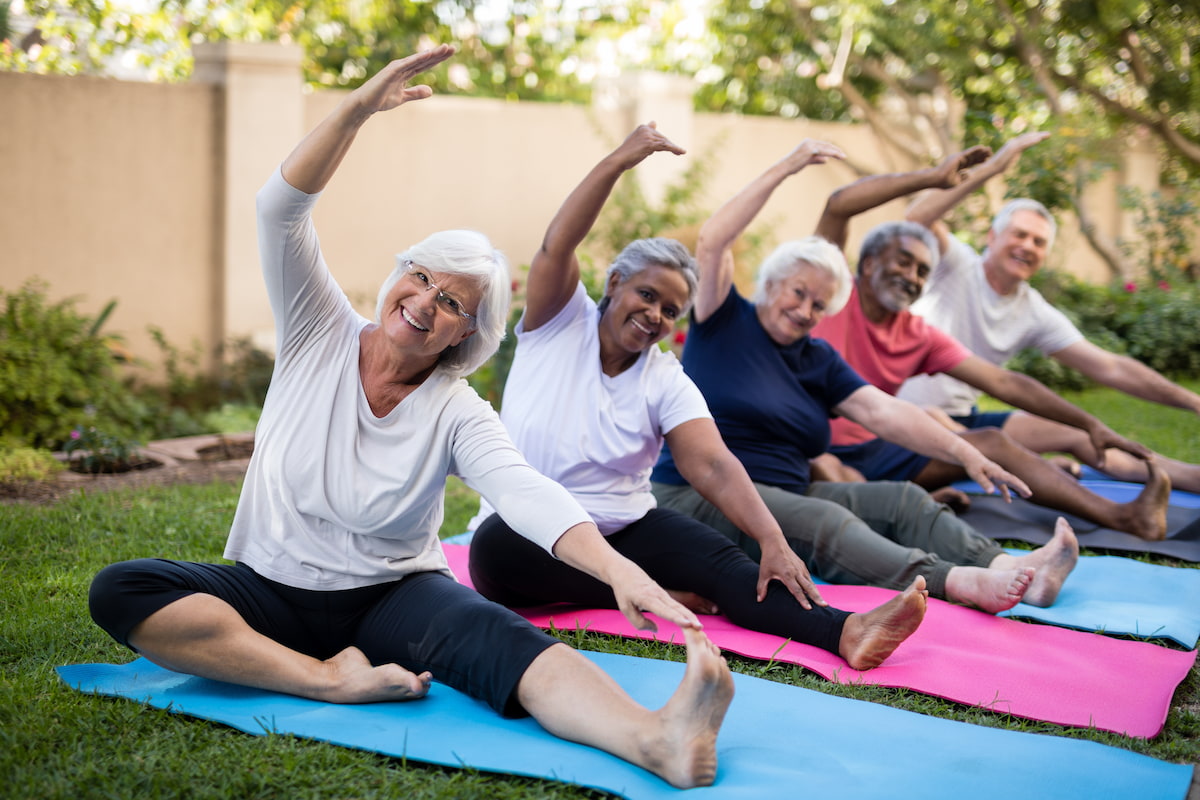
335,497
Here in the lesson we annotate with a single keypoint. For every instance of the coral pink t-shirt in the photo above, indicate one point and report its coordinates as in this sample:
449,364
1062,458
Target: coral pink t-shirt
885,354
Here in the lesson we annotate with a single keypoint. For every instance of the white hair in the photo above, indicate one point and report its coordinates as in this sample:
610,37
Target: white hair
811,251
1004,217
468,253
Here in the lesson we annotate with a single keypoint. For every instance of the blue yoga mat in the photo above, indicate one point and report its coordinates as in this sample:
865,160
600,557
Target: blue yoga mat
1115,595
1023,521
777,741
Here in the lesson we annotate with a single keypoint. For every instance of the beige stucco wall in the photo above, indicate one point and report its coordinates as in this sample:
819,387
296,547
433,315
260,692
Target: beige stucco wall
109,193
144,193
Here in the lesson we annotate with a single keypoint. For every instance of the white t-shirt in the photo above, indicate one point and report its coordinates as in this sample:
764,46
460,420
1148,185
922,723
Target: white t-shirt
995,327
334,497
598,436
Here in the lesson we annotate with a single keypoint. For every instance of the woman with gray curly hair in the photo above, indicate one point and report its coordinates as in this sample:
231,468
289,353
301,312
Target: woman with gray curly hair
340,590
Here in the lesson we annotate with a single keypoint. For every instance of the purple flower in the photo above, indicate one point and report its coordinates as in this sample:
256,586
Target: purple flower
76,434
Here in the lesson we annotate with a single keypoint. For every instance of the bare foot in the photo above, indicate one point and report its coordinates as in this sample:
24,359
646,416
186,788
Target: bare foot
694,602
868,639
988,589
1146,516
958,500
683,749
1053,562
354,680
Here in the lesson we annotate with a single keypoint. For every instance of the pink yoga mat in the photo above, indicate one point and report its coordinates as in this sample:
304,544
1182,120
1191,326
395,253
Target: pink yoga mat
1032,671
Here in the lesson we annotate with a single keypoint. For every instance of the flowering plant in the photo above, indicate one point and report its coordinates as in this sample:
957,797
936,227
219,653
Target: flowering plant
92,451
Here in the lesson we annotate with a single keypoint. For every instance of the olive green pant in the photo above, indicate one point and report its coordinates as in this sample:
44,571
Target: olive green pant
880,533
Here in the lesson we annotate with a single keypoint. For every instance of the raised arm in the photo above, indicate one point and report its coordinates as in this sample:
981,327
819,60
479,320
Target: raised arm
875,190
908,426
554,271
714,247
931,206
313,161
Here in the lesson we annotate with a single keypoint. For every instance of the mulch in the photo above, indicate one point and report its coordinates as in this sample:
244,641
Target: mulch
189,460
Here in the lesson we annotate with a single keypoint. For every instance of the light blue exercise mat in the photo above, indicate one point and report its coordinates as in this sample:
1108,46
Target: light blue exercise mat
1115,595
777,741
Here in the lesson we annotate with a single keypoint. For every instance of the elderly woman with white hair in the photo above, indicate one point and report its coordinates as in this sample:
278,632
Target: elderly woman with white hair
340,590
772,390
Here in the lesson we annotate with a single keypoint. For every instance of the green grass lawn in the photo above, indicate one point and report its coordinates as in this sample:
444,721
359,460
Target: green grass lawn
57,743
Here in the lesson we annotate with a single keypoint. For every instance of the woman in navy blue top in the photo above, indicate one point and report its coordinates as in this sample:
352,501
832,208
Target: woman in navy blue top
772,390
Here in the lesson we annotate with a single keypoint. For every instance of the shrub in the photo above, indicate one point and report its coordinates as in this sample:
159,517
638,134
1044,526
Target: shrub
1157,323
57,371
19,464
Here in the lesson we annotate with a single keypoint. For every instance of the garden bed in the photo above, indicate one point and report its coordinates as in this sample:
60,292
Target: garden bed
190,460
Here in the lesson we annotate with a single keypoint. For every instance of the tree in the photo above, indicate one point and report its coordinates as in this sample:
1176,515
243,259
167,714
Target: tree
929,76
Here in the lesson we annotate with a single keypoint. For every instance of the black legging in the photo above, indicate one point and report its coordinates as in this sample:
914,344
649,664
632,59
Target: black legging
676,551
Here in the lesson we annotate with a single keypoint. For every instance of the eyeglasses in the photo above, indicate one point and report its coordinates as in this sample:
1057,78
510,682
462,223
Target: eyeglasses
444,301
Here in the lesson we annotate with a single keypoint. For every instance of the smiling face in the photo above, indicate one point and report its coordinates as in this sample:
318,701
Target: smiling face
895,277
413,318
796,303
1017,252
641,311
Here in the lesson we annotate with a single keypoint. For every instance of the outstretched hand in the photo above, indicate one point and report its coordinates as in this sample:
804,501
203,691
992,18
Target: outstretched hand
388,88
992,478
783,565
1103,437
638,595
953,170
644,140
1007,154
812,151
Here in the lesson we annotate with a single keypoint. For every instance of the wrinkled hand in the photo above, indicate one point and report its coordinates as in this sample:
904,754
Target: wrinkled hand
812,151
780,563
389,88
637,595
644,140
1103,437
953,170
992,478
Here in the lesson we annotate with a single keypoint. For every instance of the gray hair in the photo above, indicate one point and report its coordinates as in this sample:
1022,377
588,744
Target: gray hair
811,251
1003,219
467,253
640,255
884,234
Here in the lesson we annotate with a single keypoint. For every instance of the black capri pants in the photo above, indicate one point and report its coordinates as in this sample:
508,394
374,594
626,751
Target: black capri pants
675,550
424,621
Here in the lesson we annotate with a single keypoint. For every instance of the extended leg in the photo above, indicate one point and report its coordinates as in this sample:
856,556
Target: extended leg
1047,436
1145,516
574,699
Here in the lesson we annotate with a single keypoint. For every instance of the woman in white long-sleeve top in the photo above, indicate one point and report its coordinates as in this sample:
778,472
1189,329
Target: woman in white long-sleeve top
340,590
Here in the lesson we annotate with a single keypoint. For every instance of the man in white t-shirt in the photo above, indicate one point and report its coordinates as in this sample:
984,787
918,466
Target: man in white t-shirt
985,301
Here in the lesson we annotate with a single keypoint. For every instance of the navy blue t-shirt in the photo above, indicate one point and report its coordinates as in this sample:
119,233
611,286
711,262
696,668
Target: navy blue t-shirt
772,404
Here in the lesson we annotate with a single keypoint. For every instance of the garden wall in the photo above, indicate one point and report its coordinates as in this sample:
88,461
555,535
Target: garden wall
144,193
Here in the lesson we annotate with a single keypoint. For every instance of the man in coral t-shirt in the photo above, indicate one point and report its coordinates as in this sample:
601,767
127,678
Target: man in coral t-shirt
886,344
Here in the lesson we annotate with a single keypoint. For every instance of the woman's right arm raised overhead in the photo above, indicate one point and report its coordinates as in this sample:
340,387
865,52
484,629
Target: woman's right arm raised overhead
714,248
318,155
554,272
